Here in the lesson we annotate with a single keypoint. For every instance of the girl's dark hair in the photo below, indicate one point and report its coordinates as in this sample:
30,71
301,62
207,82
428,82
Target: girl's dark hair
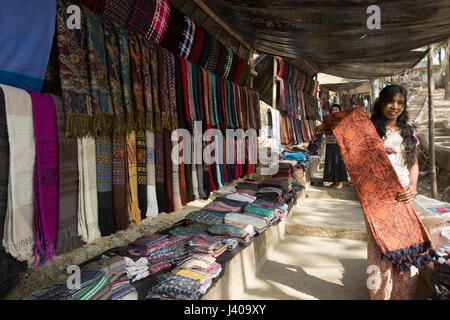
409,141
337,106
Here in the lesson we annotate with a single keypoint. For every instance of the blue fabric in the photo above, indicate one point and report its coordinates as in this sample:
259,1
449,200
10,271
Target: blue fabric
195,82
229,104
299,157
26,38
215,97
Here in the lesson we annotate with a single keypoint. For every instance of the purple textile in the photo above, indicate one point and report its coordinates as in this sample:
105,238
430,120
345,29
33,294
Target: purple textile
45,177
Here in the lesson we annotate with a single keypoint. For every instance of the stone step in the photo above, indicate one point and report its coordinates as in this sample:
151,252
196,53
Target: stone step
332,218
311,268
320,192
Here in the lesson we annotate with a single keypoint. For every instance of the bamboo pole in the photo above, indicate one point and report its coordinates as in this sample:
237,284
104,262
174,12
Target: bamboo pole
274,83
431,123
221,23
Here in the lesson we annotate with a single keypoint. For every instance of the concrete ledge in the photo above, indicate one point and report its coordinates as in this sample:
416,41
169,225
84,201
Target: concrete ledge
346,193
325,232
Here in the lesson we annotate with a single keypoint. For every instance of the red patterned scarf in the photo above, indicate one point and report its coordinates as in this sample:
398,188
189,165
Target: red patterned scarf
395,225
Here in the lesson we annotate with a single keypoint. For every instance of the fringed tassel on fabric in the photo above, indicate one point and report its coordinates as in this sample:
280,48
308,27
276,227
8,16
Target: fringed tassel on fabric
66,237
78,125
119,124
166,122
149,125
418,255
102,124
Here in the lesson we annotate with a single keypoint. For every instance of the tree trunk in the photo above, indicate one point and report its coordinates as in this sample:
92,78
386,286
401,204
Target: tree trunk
447,71
431,124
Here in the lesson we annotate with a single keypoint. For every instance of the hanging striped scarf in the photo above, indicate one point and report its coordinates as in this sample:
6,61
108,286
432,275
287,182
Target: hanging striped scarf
211,65
228,64
141,158
173,35
100,96
119,181
45,178
74,74
67,184
141,16
187,38
395,225
160,21
207,50
222,59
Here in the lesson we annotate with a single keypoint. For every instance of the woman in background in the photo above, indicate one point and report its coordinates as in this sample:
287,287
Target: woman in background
334,170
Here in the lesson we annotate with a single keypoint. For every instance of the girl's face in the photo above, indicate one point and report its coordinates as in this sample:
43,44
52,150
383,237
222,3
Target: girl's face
334,110
394,109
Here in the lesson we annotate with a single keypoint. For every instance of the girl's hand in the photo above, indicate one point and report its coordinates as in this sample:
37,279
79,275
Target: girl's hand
409,194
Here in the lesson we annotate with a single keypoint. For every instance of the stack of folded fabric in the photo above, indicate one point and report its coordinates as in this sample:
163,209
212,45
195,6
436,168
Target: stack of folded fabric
280,207
172,286
206,217
204,279
163,253
233,203
266,214
271,194
207,245
239,220
226,190
249,187
243,235
136,270
285,168
243,197
284,183
220,206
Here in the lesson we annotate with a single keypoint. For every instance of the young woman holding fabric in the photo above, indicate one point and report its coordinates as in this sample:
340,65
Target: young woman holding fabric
334,170
390,119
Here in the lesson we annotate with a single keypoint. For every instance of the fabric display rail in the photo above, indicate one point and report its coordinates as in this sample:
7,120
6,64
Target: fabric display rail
186,260
298,104
93,153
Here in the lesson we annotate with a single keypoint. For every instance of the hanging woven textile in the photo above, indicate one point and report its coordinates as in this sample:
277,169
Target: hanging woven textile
88,224
10,268
136,81
134,212
395,226
147,82
171,90
160,21
74,74
155,89
67,237
99,86
46,180
118,11
207,50
168,172
160,172
19,237
187,38
106,219
141,16
125,72
152,201
197,46
118,142
163,89
141,158
175,26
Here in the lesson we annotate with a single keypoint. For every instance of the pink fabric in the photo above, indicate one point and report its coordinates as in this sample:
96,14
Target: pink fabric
160,21
45,177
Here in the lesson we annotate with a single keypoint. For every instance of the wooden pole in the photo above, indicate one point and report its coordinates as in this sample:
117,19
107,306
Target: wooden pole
252,68
431,123
274,83
221,23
